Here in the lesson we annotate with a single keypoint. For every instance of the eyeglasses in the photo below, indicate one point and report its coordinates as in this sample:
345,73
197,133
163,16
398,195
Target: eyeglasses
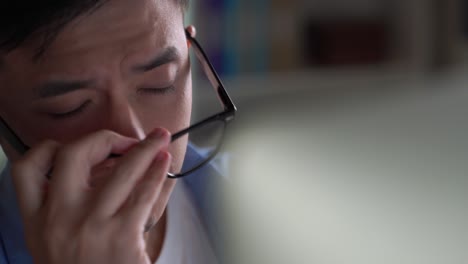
207,134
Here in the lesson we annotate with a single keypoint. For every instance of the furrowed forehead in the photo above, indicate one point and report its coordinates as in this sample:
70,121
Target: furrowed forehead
44,20
88,47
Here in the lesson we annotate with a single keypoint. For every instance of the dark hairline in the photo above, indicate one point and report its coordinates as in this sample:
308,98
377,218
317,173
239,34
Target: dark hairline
50,32
45,27
47,32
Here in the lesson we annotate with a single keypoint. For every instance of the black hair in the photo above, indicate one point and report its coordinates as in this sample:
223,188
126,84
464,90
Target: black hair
22,20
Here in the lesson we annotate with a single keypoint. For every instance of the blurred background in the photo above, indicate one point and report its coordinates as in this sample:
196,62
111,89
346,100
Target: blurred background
351,140
261,37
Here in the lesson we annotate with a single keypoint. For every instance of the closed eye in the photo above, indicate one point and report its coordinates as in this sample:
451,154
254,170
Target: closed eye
158,91
71,113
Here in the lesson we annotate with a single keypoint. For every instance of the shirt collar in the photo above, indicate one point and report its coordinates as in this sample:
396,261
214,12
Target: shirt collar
206,186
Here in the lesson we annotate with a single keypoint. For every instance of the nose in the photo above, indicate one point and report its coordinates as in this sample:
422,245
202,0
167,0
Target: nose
123,120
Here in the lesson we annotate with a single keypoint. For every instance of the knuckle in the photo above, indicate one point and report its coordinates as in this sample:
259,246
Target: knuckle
20,166
55,236
145,197
89,235
91,225
142,146
147,192
69,151
109,138
72,153
158,174
148,145
79,150
123,173
123,241
105,139
48,144
105,132
32,160
105,135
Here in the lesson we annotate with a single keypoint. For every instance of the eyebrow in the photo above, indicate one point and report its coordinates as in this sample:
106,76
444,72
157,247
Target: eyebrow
57,88
61,87
170,54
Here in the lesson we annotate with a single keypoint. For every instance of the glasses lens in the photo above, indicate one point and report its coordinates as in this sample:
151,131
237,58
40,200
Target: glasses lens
204,142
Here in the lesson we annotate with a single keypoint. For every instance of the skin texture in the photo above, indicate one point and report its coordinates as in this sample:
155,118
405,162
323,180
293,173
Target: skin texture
74,133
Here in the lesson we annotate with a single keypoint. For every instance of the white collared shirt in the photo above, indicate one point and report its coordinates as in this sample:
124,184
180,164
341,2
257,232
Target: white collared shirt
186,240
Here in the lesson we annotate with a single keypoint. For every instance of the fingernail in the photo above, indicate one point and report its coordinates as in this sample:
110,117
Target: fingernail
159,133
161,156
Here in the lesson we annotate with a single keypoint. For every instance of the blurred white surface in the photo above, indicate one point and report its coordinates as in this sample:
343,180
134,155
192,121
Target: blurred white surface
356,177
2,159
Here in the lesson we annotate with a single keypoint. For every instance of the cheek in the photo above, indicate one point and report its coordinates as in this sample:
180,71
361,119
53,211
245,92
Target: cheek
182,121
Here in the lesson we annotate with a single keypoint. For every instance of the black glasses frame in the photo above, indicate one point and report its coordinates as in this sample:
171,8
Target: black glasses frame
225,116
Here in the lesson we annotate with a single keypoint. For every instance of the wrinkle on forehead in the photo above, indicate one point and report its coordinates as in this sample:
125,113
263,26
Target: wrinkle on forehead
117,29
121,23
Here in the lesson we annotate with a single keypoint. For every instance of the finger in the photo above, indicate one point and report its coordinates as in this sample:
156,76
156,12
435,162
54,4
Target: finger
147,193
30,176
74,163
161,203
164,195
130,169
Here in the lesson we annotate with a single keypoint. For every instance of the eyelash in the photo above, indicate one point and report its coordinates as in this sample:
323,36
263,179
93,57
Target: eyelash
157,91
81,108
72,113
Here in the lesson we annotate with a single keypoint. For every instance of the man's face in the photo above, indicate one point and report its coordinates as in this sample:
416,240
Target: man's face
124,68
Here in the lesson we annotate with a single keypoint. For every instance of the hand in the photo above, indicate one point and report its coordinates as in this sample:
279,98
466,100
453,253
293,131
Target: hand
71,222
